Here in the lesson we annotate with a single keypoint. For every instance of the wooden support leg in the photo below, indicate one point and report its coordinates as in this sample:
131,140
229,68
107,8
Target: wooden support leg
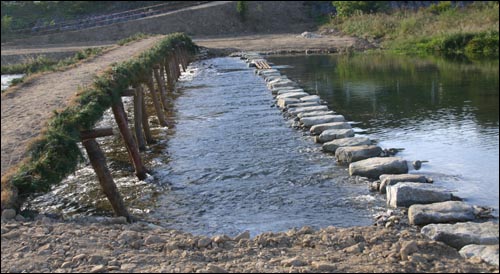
133,151
138,119
145,122
168,69
161,88
156,102
109,188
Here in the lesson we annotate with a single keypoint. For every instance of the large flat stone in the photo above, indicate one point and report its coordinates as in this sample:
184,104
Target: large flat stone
374,167
332,146
487,253
292,95
310,98
283,102
316,120
444,212
296,111
315,113
283,91
283,83
405,194
346,155
319,128
461,234
303,104
392,179
332,134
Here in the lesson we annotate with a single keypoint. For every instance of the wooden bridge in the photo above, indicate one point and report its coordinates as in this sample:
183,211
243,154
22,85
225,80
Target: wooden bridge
153,71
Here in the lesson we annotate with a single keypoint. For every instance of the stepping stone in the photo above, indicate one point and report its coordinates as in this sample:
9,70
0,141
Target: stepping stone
487,253
332,146
332,134
283,102
374,167
303,104
392,179
316,120
346,155
315,113
274,78
319,128
405,194
310,98
296,111
444,212
266,71
283,91
461,234
292,95
282,83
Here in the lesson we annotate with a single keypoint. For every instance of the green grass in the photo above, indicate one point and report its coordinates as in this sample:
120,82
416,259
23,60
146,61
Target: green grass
440,29
135,37
41,63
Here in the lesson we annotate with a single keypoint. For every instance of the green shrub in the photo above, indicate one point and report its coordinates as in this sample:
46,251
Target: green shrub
349,8
440,7
483,44
242,9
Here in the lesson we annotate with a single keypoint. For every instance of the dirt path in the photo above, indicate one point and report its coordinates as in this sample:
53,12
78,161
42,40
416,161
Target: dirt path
26,110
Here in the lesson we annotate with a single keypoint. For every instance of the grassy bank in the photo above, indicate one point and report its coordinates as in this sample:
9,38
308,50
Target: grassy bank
42,63
55,154
441,29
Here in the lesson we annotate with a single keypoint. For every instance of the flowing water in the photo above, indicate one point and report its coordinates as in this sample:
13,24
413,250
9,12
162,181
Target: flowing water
7,79
442,111
230,162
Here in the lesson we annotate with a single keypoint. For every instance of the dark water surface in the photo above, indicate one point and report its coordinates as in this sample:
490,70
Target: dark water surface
229,162
442,111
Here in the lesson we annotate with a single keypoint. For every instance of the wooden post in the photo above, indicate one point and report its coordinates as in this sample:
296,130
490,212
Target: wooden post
161,88
162,74
133,151
168,69
138,119
156,102
145,122
98,161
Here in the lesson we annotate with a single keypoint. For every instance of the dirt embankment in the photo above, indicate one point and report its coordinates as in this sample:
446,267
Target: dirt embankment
48,245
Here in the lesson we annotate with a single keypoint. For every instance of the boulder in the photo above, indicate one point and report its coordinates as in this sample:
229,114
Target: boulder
405,194
292,95
332,134
317,120
374,167
346,155
332,146
315,113
392,179
319,128
296,111
487,253
444,212
461,234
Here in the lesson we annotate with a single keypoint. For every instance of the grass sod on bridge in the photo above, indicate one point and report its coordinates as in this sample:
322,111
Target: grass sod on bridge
55,154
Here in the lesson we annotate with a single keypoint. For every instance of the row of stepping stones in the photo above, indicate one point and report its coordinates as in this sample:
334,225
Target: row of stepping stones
444,217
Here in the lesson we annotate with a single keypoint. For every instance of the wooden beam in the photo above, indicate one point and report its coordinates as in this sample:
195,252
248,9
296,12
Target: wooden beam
98,161
96,133
128,139
161,88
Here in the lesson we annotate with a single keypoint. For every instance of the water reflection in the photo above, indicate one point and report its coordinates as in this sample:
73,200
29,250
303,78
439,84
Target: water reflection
441,111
